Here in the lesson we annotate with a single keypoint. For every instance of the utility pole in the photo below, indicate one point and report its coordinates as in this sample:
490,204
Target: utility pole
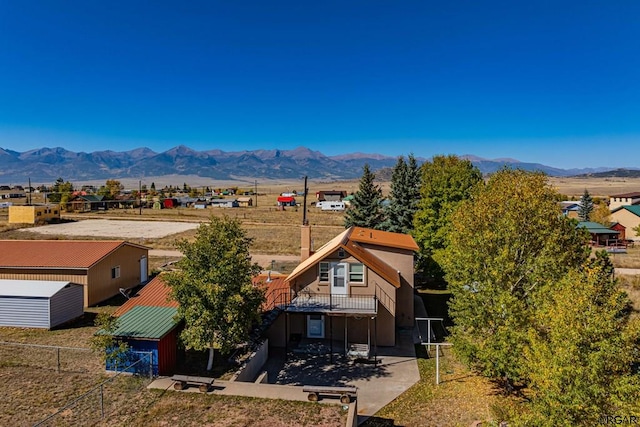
140,196
255,190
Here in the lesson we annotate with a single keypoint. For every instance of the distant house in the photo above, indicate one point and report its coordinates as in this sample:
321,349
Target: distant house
33,214
625,199
170,203
600,235
147,324
570,209
629,217
331,195
245,202
39,303
286,201
102,267
88,203
224,203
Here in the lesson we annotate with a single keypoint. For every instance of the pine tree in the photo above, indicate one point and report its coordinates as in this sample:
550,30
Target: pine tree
585,207
366,209
404,196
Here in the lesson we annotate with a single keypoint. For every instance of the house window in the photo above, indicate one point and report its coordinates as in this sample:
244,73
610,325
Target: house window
324,271
356,273
115,272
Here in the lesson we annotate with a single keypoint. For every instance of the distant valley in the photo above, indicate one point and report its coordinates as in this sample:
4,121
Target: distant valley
45,165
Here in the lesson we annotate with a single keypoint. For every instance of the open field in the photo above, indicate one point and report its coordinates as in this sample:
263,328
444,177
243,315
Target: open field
597,187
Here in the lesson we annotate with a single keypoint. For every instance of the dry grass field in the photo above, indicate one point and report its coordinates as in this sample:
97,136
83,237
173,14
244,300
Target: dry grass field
597,187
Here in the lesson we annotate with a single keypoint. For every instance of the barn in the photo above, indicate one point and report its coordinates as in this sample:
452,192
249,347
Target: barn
102,267
39,304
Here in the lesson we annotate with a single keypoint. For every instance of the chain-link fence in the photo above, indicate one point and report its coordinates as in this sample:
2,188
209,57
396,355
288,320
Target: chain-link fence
108,400
43,378
48,357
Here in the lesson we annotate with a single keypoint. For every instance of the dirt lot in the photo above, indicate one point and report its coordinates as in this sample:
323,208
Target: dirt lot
114,228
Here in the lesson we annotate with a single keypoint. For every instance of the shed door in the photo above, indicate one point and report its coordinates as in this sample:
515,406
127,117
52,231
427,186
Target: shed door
144,275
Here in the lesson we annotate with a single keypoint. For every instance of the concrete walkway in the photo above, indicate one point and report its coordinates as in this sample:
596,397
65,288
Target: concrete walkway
237,388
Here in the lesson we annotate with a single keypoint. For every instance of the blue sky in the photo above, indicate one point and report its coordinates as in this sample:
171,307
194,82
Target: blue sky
554,82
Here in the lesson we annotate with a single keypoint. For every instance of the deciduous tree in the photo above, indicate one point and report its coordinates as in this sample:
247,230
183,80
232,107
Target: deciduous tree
446,181
366,209
581,350
507,243
218,302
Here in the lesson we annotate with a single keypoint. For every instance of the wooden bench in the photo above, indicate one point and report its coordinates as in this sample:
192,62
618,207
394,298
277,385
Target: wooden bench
182,381
345,393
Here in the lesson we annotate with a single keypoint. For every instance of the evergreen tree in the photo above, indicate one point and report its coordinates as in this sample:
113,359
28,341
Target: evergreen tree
446,181
404,196
366,209
585,207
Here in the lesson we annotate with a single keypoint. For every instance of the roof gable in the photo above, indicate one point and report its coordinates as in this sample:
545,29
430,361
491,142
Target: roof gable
153,294
351,241
56,253
634,209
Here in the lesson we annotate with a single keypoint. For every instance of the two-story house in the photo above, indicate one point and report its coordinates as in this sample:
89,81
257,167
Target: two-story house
357,288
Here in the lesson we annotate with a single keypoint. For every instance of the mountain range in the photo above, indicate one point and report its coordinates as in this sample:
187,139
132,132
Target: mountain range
47,164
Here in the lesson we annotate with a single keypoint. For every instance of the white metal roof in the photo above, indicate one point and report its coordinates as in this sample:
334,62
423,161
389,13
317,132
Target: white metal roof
31,288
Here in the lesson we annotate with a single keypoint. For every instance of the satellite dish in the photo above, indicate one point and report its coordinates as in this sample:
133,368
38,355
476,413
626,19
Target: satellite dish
124,292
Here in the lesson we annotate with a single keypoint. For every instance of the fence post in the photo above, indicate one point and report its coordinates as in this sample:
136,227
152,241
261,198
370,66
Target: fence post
150,365
101,400
58,352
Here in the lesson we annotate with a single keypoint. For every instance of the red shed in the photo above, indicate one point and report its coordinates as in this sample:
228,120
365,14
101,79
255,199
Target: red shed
621,229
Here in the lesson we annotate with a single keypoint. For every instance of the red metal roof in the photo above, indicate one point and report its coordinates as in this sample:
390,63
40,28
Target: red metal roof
56,253
276,288
286,199
153,294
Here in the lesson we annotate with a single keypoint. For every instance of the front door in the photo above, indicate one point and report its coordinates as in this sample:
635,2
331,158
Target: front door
338,274
315,326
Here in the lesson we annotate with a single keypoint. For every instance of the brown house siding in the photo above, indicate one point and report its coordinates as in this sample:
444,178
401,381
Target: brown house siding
102,285
629,220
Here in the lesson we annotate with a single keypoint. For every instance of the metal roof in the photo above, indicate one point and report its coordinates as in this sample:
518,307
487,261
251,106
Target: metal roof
57,253
351,241
595,228
634,209
146,322
153,294
383,238
32,288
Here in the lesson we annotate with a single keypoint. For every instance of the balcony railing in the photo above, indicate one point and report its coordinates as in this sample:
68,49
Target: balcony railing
306,301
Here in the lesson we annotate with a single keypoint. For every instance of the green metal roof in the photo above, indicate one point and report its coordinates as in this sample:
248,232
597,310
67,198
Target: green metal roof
595,228
634,209
146,322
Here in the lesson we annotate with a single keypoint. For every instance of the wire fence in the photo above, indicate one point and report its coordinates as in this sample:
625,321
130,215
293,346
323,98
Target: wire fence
66,386
49,357
105,400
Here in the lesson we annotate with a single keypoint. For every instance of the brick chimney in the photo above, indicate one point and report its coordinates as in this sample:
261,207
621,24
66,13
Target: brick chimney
305,242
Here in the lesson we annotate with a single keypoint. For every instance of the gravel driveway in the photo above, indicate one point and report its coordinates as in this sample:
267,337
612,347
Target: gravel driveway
115,228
